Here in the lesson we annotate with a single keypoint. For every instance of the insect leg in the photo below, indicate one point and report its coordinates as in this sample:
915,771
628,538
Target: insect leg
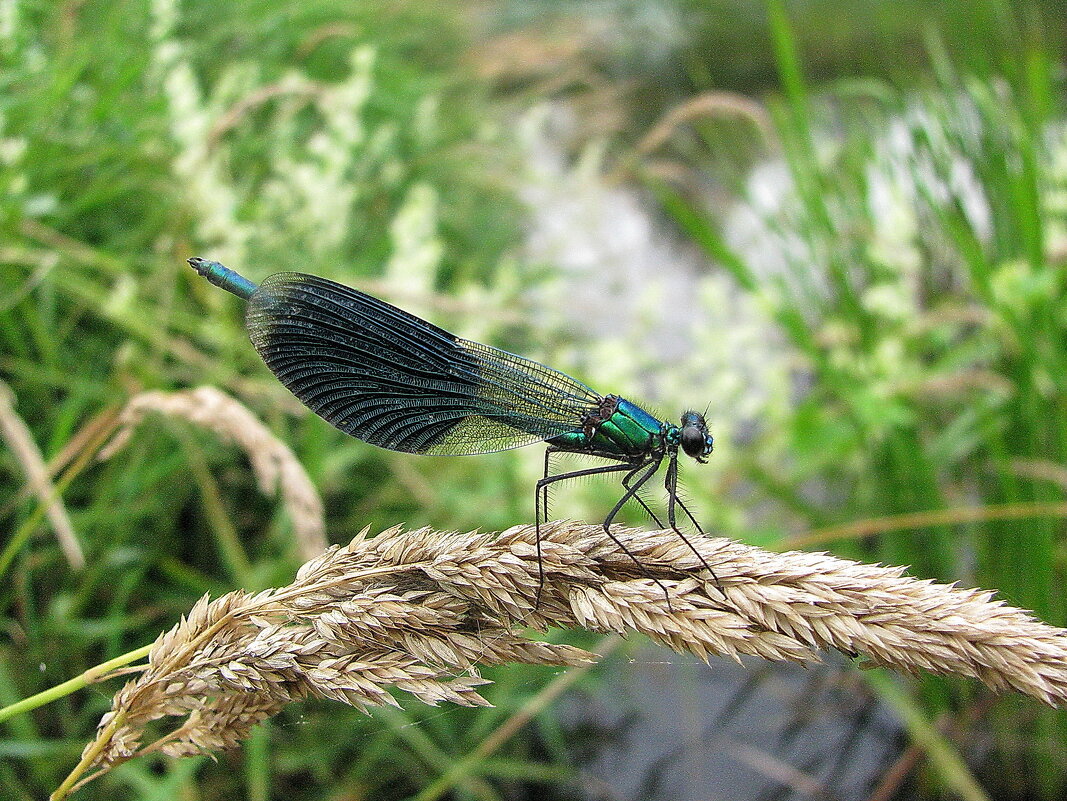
626,484
539,504
670,482
542,486
650,467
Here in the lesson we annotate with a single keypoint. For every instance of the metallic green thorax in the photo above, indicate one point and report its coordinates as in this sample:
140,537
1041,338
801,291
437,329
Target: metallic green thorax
626,430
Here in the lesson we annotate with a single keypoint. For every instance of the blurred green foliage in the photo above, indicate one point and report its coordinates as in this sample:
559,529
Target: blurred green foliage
331,139
913,256
901,301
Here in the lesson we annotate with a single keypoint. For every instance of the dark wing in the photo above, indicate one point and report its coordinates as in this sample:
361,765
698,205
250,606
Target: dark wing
396,381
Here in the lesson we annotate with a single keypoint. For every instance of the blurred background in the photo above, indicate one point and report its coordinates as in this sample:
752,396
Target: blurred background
840,226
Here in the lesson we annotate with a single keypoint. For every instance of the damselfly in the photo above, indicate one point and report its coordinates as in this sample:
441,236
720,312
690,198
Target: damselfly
396,381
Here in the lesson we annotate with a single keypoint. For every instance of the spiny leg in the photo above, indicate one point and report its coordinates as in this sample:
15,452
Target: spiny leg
688,514
631,492
670,482
537,500
626,485
541,502
542,485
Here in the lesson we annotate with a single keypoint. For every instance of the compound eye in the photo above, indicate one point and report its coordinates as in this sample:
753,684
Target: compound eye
694,441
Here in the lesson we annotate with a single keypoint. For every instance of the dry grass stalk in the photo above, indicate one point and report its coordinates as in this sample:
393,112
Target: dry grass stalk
20,441
273,462
705,105
928,519
1041,469
418,611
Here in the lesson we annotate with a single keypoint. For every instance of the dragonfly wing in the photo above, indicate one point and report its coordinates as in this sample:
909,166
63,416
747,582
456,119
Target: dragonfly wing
394,380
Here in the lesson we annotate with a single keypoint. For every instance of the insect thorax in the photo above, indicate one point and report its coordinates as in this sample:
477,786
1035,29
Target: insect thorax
615,427
672,435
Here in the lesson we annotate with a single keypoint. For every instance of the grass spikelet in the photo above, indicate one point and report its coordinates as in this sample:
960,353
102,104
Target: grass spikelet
419,611
275,465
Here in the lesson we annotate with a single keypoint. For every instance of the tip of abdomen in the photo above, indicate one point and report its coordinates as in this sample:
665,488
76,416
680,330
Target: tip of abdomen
224,277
